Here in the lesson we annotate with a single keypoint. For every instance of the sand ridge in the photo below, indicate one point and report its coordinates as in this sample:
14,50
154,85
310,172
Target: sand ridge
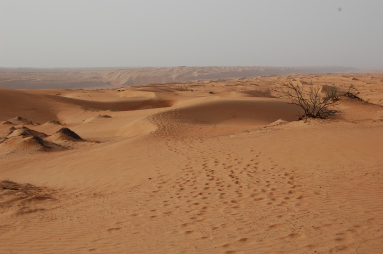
218,166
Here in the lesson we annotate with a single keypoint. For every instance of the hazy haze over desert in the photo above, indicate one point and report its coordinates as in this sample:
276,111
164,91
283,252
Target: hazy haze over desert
86,33
167,127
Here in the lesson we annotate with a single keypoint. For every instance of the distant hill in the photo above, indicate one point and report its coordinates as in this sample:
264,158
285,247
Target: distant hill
30,78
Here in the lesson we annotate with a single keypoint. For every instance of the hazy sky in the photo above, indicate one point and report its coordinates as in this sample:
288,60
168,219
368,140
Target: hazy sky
95,33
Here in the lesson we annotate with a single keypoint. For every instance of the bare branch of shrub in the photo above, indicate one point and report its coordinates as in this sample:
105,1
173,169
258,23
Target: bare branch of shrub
312,101
352,93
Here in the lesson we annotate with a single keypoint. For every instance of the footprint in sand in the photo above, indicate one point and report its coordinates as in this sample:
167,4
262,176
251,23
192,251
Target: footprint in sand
112,230
244,240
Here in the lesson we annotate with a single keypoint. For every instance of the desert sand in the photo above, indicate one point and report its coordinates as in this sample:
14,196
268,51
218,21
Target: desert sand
215,166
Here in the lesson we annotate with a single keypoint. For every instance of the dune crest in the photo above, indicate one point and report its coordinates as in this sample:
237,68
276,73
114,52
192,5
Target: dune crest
67,134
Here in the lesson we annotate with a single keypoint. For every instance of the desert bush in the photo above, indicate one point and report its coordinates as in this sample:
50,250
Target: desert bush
333,93
352,93
312,101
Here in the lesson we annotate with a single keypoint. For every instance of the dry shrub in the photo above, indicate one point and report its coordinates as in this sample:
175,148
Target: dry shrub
314,103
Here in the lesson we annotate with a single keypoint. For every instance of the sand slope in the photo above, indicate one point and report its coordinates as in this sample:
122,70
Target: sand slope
222,167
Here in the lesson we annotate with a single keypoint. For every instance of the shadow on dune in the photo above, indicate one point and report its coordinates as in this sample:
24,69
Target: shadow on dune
254,112
216,118
116,106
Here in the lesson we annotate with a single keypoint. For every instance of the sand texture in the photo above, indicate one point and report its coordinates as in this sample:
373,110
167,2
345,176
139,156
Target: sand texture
215,166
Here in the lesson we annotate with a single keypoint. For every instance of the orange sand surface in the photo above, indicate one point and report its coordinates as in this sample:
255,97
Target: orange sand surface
219,166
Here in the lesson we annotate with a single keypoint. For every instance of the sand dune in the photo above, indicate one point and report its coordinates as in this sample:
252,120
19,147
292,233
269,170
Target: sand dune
213,166
23,141
33,105
239,112
65,134
25,132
